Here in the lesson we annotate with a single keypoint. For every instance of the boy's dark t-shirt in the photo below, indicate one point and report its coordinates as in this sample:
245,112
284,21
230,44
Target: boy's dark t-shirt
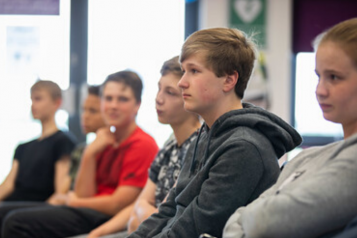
36,172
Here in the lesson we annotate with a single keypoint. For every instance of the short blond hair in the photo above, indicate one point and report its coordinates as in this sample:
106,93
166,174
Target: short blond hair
51,87
344,34
225,50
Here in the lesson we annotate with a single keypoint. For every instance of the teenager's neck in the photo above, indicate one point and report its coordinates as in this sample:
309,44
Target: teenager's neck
226,105
349,130
183,131
121,134
49,127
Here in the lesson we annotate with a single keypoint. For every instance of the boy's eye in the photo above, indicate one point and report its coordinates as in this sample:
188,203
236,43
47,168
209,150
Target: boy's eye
170,92
123,99
333,77
194,71
92,111
37,98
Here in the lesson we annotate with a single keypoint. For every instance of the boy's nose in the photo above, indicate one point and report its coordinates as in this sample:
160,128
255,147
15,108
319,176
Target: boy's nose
321,90
182,83
85,116
159,100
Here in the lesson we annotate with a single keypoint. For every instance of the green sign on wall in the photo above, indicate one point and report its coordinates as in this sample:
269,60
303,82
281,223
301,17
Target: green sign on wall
250,17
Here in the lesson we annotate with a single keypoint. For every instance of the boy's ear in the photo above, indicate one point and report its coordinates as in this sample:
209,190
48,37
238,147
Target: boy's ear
138,104
58,103
230,81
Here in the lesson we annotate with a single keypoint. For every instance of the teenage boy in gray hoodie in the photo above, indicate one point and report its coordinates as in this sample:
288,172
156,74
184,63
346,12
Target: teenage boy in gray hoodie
235,157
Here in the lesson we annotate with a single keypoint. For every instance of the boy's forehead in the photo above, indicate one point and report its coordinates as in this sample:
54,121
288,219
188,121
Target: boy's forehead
197,58
92,100
169,79
117,86
40,91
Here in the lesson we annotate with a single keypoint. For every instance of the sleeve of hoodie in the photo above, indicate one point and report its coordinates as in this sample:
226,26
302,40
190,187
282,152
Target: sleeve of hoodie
230,183
325,202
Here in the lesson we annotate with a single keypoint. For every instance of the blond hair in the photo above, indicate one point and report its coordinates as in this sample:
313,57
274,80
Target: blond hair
224,50
344,34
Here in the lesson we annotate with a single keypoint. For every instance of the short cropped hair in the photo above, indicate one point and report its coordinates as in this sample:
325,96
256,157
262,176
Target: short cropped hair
172,66
94,90
128,78
51,87
224,50
344,34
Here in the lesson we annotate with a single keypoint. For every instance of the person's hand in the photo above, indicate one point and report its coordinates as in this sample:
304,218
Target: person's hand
71,199
58,199
144,209
104,137
96,233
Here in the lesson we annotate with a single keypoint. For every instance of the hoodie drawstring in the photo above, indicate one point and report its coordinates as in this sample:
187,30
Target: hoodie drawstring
193,163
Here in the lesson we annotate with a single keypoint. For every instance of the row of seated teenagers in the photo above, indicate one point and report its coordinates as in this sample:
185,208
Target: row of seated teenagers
232,161
113,168
315,194
165,169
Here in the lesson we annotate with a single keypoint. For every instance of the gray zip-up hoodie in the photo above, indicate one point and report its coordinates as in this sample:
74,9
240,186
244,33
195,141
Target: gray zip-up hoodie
230,165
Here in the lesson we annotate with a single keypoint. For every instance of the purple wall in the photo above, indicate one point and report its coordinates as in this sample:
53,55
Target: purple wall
311,17
29,7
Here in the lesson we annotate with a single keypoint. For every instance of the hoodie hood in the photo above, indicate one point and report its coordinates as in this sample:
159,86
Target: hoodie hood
282,136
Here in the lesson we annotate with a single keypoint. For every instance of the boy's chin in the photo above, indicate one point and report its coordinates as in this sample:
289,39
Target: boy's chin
41,118
119,124
190,109
162,120
36,117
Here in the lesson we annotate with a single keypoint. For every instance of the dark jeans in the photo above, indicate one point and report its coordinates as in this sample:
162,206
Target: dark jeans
42,220
8,207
